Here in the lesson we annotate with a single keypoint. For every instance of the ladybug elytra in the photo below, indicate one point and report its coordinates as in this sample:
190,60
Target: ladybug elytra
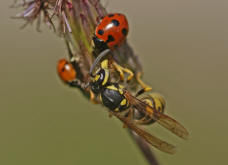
66,71
111,31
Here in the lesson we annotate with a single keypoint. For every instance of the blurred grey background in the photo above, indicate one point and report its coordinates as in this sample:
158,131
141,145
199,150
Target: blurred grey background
183,48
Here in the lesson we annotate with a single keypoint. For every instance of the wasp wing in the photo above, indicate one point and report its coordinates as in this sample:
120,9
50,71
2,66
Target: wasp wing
172,125
149,138
164,120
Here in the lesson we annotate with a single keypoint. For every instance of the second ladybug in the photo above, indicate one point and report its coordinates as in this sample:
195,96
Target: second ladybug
69,73
110,32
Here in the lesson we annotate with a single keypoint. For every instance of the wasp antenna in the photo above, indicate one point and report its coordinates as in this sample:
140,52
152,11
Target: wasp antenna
98,59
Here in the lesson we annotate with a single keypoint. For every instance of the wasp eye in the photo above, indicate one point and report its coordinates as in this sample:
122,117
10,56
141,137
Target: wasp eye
95,88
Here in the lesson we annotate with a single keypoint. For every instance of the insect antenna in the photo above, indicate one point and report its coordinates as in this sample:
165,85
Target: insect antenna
97,60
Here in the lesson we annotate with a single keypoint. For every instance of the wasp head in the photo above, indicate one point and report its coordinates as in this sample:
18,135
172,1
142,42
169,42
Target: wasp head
100,80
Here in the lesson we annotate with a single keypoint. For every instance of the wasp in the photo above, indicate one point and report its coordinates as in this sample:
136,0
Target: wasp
133,111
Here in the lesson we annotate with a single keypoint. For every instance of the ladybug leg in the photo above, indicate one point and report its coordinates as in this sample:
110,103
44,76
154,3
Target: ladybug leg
145,87
121,71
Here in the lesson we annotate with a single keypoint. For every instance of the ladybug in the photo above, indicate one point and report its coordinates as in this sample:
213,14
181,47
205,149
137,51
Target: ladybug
110,32
66,71
70,73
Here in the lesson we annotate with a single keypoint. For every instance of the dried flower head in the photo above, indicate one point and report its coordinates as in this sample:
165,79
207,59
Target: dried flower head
33,10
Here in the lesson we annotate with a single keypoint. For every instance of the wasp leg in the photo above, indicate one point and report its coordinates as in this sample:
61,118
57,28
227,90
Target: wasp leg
145,87
93,98
121,71
142,121
129,116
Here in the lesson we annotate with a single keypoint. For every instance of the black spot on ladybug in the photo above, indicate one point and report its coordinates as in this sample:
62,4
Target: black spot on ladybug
110,38
63,69
124,31
101,32
110,15
115,22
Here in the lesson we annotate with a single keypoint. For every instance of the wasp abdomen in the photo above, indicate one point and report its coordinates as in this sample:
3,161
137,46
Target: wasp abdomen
156,101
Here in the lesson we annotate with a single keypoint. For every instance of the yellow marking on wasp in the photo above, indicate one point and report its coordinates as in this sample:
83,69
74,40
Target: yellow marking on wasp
100,98
162,100
159,101
112,87
148,109
123,102
106,77
116,110
97,77
158,104
121,91
104,64
148,102
121,86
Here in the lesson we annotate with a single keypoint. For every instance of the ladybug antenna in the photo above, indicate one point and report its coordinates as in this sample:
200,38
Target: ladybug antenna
97,60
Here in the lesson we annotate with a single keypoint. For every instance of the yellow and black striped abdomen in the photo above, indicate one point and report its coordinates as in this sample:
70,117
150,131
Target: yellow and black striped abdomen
156,101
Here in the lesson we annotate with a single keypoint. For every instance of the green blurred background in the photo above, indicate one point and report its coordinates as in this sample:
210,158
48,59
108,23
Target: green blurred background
183,48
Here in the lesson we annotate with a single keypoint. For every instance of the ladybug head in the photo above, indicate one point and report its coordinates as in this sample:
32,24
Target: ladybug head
99,45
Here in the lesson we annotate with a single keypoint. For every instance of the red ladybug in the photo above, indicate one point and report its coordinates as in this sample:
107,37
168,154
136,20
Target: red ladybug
69,72
111,31
66,71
